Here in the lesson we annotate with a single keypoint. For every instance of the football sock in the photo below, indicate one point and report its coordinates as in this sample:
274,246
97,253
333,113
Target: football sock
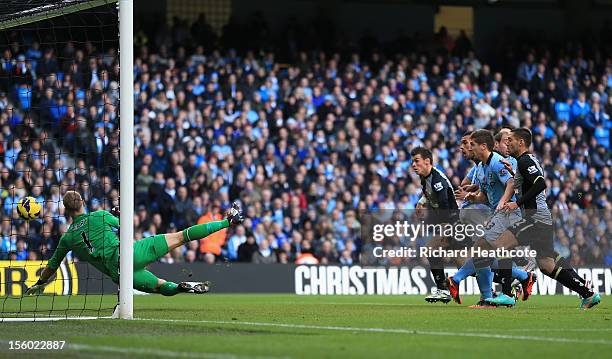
519,273
200,231
496,276
437,270
169,289
484,278
483,263
570,281
466,270
505,274
567,267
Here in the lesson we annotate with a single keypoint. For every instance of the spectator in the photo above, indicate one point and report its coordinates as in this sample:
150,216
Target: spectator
302,146
264,254
234,242
327,253
246,249
209,258
190,256
21,251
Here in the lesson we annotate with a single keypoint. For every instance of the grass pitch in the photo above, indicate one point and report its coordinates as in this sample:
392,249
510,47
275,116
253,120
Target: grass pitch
289,326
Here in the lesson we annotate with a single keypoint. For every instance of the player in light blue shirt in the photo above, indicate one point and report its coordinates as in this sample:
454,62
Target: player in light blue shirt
496,187
496,182
501,148
471,178
470,212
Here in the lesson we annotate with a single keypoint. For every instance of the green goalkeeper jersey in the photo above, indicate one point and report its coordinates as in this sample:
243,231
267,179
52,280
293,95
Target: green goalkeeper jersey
91,238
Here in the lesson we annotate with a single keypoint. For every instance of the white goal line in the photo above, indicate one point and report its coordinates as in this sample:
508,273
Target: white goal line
47,319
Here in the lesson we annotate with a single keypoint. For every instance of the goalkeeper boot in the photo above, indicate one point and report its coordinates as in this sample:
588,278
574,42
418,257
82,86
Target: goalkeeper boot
453,288
527,285
591,301
194,287
234,215
502,300
439,295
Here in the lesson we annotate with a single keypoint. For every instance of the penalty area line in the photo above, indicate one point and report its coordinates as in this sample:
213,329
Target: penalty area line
389,330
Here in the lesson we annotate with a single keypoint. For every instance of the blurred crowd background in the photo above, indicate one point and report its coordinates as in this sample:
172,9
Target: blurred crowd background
306,132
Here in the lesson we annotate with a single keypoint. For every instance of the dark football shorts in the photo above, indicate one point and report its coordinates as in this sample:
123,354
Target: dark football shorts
536,234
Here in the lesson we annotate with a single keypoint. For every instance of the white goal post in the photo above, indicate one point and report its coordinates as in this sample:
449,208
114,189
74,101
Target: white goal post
126,167
53,9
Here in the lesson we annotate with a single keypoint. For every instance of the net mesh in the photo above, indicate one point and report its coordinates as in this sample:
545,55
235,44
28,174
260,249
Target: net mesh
59,93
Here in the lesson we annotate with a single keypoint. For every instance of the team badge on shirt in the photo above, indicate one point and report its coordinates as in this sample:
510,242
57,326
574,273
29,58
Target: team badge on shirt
438,186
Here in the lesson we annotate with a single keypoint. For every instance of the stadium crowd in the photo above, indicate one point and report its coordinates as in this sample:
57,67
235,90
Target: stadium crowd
306,144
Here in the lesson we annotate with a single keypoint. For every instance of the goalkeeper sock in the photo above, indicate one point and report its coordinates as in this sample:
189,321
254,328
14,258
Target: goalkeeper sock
169,289
466,270
204,230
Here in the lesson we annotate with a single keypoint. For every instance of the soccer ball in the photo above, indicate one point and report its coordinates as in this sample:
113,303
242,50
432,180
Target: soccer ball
29,208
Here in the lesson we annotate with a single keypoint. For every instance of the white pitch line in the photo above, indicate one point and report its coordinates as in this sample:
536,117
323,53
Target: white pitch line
594,330
147,351
48,319
391,330
359,303
560,330
156,352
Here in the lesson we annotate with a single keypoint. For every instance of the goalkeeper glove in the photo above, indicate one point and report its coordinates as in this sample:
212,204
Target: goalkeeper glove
115,211
36,289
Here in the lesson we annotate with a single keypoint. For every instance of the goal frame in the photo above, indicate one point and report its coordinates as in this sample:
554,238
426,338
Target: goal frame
126,158
125,309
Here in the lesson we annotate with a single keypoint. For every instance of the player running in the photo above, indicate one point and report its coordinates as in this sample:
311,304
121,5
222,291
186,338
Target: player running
91,238
474,213
535,228
527,264
439,197
496,188
478,213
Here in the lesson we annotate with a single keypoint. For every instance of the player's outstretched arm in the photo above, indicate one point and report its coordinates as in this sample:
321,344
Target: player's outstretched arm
54,263
39,286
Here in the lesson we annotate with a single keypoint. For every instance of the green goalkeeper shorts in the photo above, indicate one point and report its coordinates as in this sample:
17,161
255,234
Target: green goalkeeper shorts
146,251
149,250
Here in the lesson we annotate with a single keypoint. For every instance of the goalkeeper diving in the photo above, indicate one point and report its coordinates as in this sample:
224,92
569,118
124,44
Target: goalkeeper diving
92,239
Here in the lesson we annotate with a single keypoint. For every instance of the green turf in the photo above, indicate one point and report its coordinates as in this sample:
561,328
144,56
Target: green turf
237,326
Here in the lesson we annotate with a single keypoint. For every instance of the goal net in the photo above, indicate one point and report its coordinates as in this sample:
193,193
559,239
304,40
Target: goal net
59,131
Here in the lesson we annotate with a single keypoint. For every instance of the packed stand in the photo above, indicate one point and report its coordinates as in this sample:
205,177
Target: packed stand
305,144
